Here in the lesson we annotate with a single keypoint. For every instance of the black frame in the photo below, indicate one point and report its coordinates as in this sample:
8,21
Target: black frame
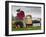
7,16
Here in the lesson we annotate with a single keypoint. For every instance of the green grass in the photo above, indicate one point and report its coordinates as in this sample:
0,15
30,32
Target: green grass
29,28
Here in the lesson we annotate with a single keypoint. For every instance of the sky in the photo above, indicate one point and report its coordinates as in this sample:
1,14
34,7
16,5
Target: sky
28,10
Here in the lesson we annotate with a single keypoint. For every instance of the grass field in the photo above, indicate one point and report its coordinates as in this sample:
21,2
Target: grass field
29,28
24,28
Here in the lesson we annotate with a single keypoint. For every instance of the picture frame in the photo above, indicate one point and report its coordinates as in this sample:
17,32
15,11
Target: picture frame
37,11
